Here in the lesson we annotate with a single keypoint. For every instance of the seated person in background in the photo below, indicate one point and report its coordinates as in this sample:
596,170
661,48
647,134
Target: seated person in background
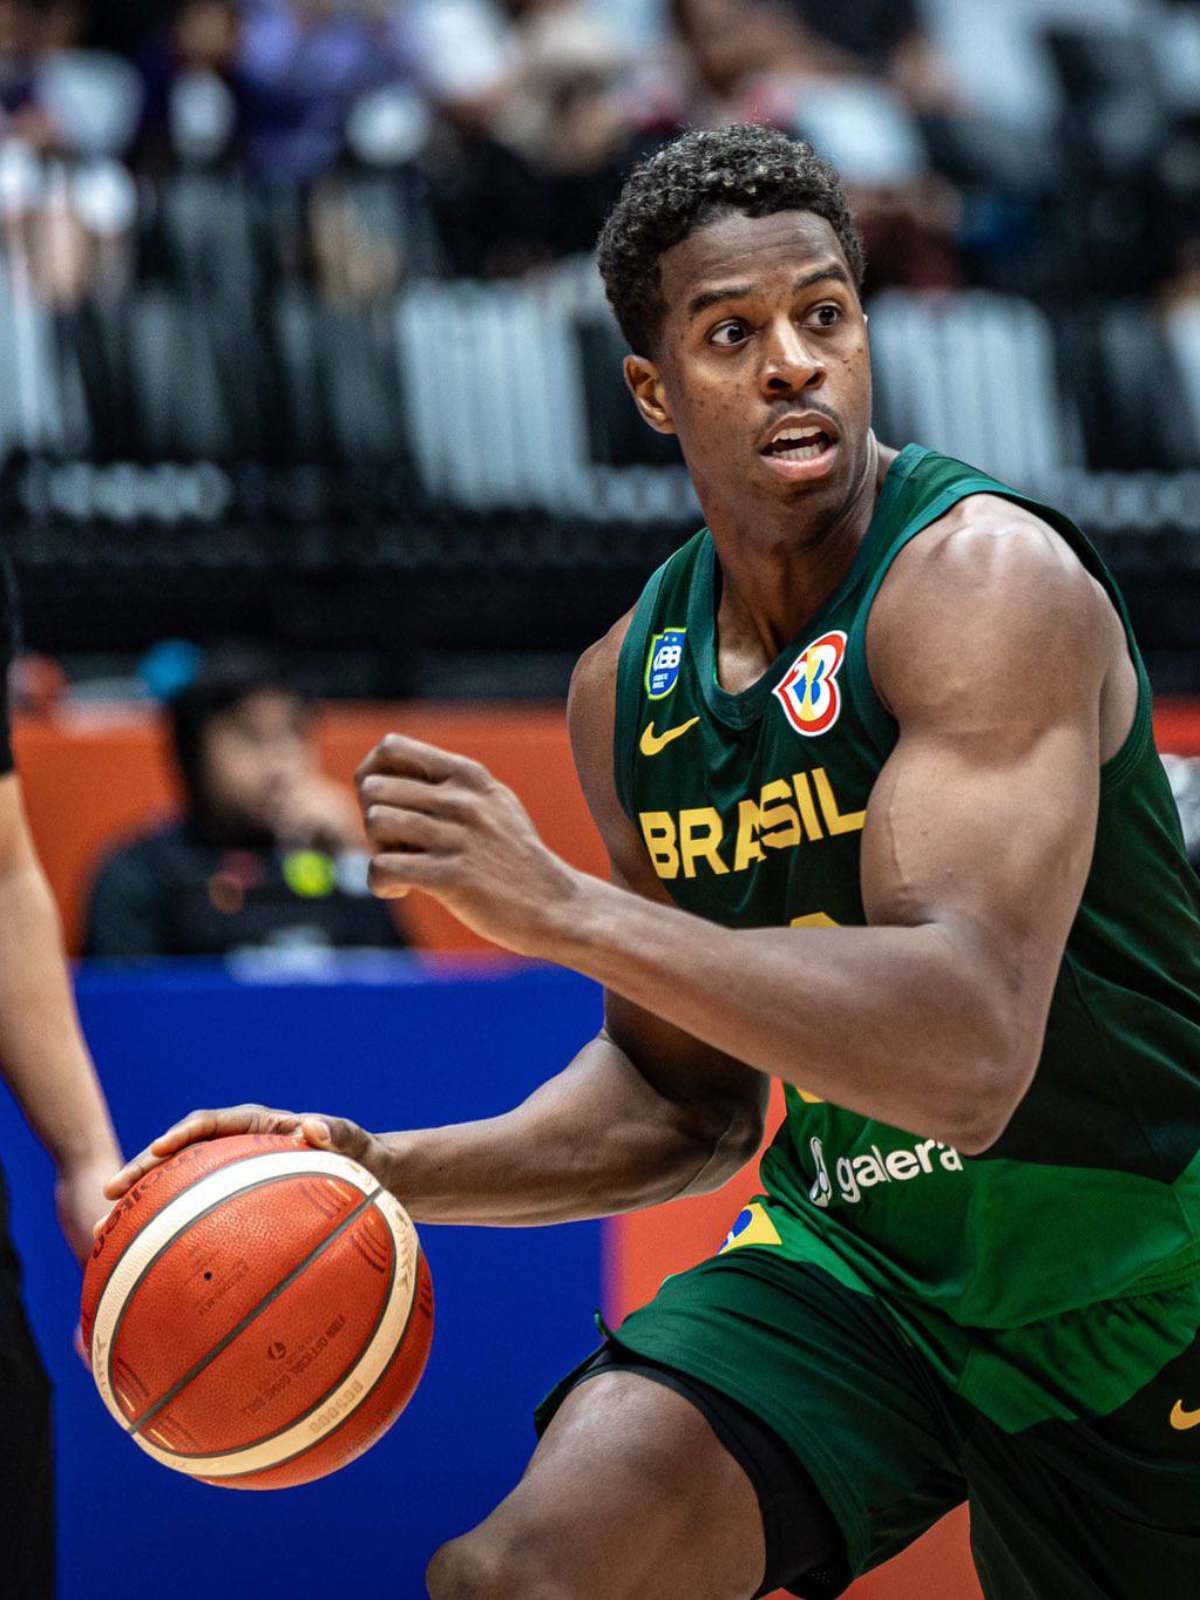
269,852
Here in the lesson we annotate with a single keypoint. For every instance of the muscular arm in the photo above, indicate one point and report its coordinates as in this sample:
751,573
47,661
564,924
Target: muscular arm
644,1112
1006,670
978,837
992,647
42,1054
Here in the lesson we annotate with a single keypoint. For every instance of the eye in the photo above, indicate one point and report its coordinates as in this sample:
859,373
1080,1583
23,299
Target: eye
827,315
728,334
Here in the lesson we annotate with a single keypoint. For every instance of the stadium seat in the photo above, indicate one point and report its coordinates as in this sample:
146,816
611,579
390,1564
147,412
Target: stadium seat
34,413
494,392
339,381
617,436
973,375
1125,381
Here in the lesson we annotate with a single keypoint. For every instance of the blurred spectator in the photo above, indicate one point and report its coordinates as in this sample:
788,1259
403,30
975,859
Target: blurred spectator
538,76
273,83
738,61
268,851
66,205
880,38
22,32
301,65
189,63
57,96
761,61
532,91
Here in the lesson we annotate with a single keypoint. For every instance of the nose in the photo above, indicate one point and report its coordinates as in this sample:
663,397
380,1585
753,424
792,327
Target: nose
789,363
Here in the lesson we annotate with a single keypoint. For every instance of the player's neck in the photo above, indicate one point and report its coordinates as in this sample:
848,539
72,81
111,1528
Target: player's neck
778,573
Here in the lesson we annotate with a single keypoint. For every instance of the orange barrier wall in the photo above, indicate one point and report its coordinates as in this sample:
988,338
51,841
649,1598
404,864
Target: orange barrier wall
88,781
91,780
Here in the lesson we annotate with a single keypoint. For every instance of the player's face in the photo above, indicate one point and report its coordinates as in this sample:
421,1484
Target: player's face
762,368
253,754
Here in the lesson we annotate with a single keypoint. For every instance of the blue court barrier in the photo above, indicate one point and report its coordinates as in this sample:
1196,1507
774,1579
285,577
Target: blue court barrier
390,1043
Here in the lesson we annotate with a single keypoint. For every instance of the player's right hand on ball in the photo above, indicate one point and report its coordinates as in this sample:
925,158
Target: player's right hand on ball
325,1133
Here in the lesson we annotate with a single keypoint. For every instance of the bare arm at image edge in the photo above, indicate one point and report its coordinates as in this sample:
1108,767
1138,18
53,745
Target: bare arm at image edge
43,1057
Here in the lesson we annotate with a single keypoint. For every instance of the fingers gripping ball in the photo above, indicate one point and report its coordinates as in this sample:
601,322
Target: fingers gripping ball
257,1313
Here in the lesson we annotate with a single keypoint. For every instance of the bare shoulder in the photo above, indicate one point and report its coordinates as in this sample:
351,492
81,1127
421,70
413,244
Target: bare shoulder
991,552
592,697
591,721
987,595
593,688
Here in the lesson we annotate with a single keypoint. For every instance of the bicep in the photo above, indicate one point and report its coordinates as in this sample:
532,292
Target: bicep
994,844
983,818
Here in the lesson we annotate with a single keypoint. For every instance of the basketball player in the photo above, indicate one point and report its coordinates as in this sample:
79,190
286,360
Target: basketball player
872,756
45,1063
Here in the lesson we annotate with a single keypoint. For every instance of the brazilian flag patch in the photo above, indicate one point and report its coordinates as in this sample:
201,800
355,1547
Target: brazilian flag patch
753,1226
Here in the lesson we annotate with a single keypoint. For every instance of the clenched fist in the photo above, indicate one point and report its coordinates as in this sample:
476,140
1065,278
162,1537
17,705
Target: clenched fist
442,823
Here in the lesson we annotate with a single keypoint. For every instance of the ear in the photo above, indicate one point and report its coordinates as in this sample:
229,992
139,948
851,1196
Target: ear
649,394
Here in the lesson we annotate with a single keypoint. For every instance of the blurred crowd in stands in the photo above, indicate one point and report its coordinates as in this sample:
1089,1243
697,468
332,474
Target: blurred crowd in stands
1040,145
239,350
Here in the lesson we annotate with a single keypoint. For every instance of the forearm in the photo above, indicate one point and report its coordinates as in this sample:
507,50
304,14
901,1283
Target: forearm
593,1141
42,1053
886,1021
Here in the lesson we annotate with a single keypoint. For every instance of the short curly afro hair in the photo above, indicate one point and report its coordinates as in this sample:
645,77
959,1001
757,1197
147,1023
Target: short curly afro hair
694,180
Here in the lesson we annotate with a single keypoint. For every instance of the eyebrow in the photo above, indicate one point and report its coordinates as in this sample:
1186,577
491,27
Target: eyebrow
739,291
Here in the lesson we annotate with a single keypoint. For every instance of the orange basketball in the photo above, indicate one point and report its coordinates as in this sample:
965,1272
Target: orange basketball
257,1313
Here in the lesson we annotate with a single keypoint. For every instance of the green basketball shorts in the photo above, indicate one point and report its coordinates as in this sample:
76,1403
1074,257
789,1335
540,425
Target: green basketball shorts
1100,1508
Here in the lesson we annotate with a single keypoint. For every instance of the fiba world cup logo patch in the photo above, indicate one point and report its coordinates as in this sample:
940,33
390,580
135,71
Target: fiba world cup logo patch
663,662
809,693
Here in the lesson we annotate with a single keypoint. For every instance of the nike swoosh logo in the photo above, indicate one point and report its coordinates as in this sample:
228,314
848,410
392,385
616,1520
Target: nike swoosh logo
1181,1419
651,743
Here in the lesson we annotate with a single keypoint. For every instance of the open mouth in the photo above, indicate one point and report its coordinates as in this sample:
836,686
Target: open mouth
795,444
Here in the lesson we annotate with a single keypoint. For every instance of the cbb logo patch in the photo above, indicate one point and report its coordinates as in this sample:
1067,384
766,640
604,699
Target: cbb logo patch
663,662
810,694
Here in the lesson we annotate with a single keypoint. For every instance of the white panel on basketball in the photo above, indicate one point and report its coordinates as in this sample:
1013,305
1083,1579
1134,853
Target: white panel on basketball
176,1217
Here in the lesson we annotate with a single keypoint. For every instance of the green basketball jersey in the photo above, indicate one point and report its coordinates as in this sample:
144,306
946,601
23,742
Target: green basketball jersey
752,807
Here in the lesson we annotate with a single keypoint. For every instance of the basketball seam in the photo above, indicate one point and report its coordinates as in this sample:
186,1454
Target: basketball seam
198,1367
253,1444
354,1409
168,1244
180,1462
201,1177
228,1180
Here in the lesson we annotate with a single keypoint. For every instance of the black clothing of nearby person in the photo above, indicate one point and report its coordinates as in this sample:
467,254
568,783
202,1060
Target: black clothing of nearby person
174,893
869,30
